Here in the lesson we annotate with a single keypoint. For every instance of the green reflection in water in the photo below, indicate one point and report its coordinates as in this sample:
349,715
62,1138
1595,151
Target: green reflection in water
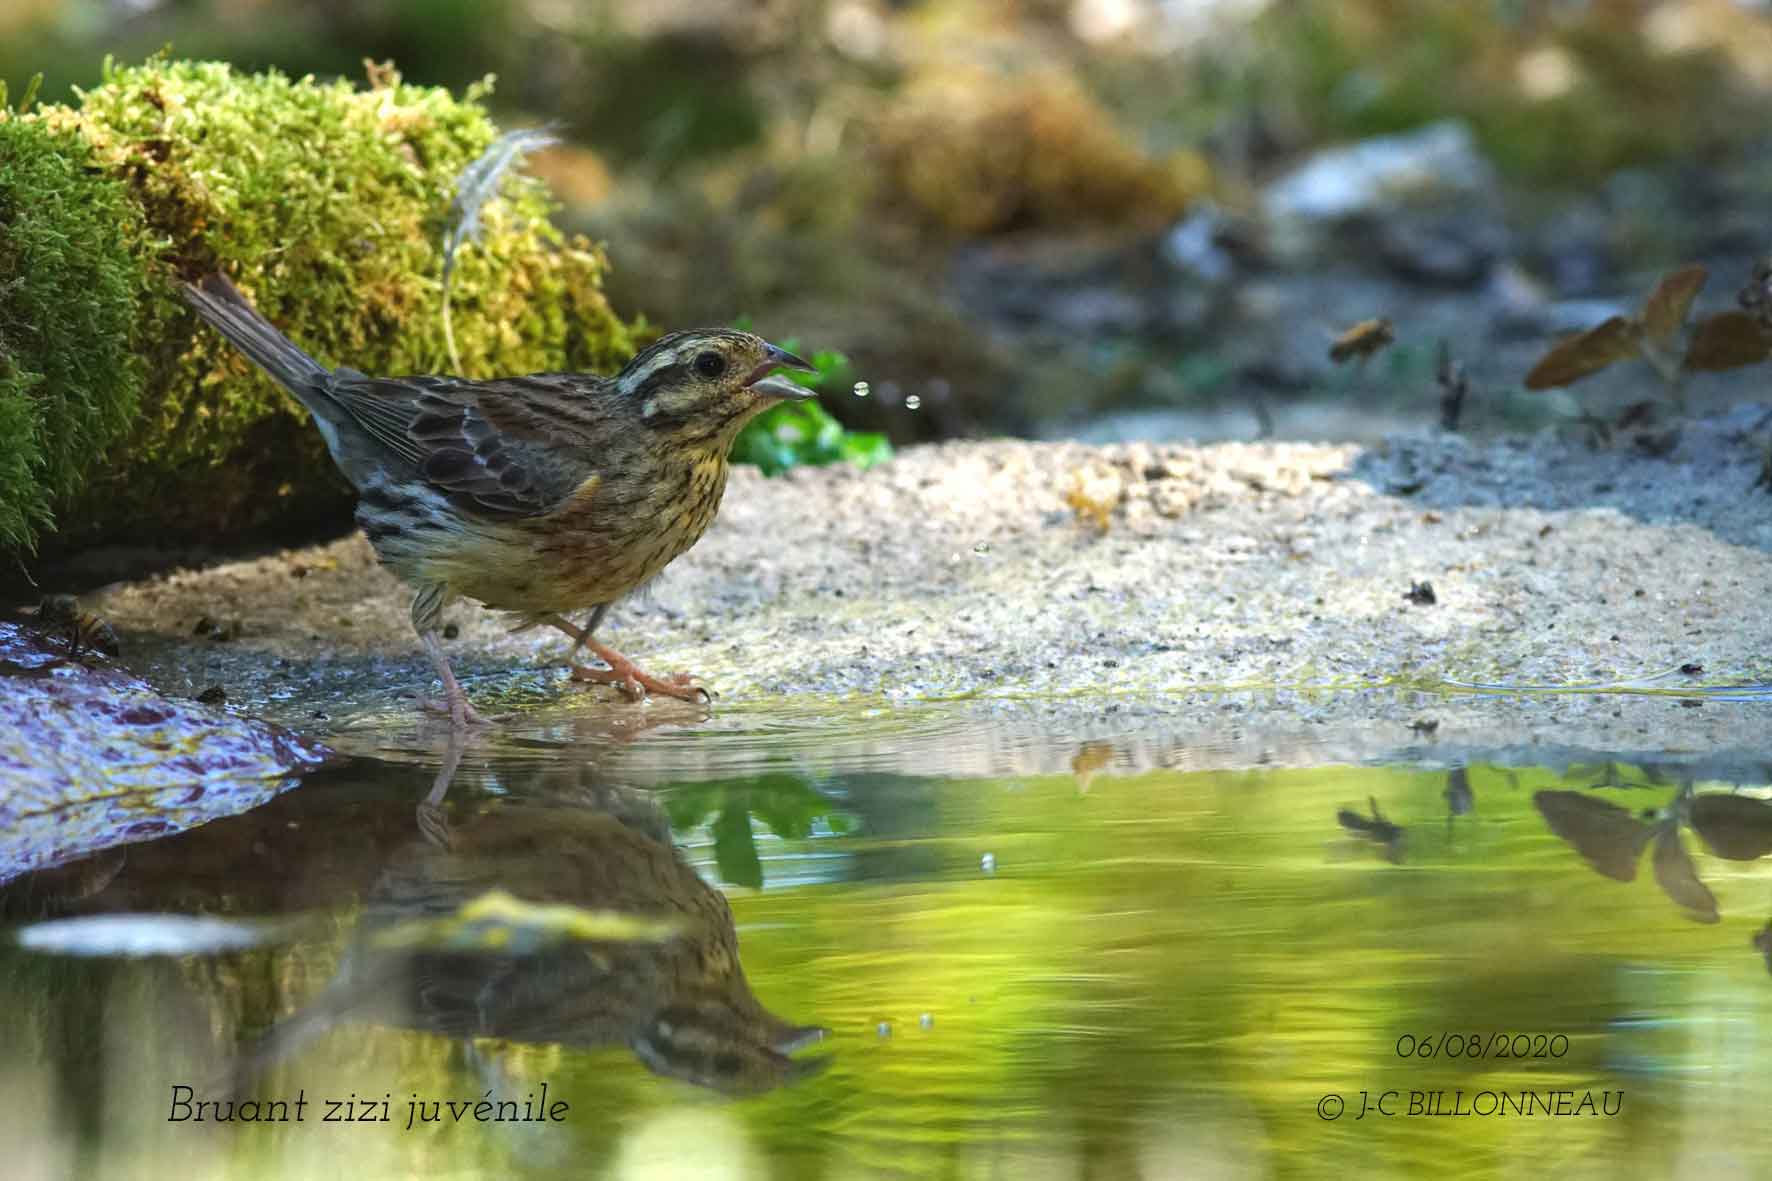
1162,974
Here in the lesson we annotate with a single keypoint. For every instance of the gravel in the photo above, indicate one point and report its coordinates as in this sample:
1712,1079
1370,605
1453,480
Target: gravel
1226,591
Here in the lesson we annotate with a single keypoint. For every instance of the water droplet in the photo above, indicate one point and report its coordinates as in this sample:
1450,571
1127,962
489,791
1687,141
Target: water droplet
982,548
884,1029
861,389
927,1021
988,863
911,401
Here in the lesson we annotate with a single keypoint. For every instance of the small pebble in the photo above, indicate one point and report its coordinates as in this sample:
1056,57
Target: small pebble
450,631
214,695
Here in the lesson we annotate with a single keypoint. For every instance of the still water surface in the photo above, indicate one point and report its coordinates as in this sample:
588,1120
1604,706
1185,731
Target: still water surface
898,948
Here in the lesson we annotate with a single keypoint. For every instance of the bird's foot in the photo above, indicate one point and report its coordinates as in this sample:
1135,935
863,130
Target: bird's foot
635,682
457,708
455,703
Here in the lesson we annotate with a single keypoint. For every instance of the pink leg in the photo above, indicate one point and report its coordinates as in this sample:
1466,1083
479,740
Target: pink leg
462,714
622,672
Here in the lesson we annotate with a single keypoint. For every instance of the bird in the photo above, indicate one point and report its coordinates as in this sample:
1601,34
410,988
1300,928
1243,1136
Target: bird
569,850
537,494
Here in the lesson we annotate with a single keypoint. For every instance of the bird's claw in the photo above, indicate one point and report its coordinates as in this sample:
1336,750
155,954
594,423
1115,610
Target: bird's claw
636,685
461,713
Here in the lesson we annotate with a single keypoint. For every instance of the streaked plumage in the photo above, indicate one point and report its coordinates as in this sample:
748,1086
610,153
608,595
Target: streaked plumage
538,494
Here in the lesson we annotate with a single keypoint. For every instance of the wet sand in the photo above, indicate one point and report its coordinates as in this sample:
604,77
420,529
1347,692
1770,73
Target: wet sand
1224,590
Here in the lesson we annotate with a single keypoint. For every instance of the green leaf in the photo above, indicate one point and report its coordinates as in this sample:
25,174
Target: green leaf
735,849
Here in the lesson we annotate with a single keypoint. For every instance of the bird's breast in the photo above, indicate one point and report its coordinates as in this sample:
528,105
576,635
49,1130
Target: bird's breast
619,533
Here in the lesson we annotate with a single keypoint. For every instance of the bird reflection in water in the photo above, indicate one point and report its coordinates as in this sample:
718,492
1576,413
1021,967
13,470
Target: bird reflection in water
605,936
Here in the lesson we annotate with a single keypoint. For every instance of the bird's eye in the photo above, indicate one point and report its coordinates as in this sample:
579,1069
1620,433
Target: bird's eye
710,365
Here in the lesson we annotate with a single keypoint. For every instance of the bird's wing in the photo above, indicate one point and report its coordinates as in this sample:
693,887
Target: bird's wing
491,446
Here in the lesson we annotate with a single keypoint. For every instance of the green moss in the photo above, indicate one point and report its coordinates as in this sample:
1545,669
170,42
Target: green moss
326,203
69,288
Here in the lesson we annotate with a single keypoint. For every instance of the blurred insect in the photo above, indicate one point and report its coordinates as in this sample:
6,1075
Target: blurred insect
1362,340
1088,761
1093,496
1374,828
82,631
1454,387
1756,296
1460,799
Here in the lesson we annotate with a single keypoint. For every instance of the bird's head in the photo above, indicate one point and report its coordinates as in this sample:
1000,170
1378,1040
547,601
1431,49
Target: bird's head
704,385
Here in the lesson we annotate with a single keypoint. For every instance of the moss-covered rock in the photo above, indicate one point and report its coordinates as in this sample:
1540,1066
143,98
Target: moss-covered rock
69,293
327,204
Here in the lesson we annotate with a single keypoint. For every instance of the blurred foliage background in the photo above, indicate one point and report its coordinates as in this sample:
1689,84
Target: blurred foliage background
1105,219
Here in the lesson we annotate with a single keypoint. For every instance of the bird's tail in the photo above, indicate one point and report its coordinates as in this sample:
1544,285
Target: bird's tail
220,302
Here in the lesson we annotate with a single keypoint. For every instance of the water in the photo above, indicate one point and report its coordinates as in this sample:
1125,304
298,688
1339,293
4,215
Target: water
966,951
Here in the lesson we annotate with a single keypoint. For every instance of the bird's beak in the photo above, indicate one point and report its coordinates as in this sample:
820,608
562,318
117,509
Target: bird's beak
780,358
783,389
780,387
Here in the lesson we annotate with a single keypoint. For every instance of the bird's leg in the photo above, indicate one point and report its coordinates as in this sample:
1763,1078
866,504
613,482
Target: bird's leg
462,713
427,612
622,672
583,636
433,821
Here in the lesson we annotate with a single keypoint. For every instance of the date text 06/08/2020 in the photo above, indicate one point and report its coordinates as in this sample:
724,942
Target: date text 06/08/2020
1483,1045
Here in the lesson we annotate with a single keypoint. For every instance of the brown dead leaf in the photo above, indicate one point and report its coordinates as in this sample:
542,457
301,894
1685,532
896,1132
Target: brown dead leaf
1607,836
1728,340
1665,309
1678,878
1736,827
1585,354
